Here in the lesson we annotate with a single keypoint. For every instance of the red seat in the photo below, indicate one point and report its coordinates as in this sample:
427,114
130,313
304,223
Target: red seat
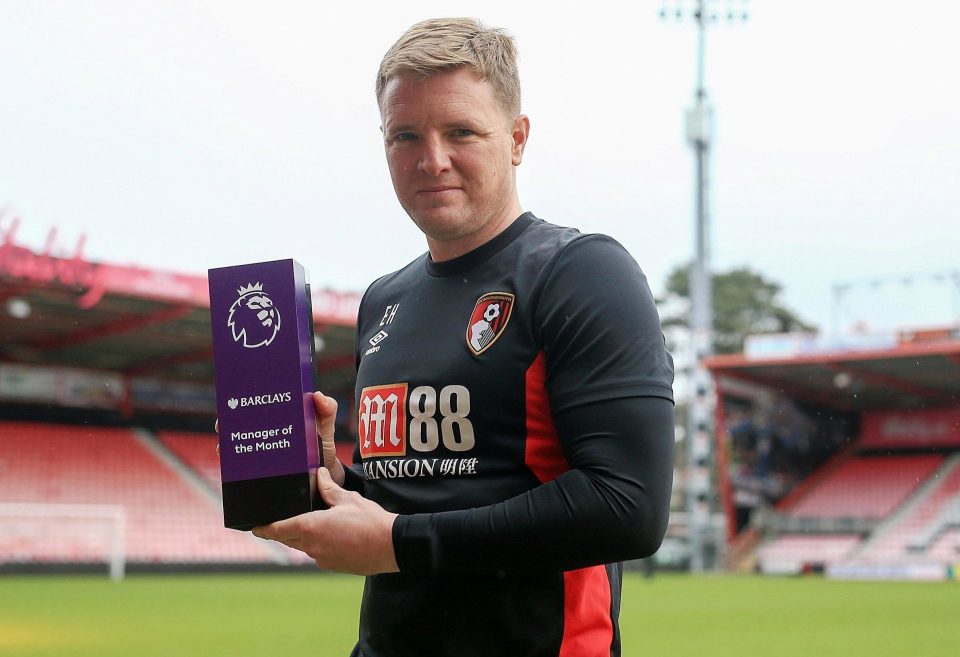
167,520
866,487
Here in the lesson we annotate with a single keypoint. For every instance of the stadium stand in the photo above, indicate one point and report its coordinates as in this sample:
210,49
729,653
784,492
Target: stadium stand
95,355
947,548
829,454
167,519
922,529
872,507
868,487
196,450
794,552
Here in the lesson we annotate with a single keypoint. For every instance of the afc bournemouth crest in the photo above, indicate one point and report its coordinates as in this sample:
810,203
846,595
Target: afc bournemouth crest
488,320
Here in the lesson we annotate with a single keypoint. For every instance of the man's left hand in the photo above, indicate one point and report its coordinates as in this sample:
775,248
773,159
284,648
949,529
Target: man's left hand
354,535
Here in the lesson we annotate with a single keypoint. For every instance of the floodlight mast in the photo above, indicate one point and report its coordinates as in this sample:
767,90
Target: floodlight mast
700,488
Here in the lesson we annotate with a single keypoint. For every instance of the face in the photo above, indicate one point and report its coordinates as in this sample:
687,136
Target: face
451,149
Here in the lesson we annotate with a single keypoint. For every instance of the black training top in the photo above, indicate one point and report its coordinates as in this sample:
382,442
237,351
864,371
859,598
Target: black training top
515,407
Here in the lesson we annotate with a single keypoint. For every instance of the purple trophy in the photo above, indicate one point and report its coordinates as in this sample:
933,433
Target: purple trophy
262,324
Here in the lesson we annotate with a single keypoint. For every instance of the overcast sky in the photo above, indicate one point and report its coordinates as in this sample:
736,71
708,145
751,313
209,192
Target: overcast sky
188,135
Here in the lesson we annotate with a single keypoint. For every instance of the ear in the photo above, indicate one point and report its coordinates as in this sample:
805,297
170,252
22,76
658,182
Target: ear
520,134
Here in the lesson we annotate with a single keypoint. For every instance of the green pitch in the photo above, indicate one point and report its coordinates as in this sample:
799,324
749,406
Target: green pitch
295,615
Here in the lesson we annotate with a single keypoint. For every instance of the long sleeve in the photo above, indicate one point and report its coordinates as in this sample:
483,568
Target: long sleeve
610,506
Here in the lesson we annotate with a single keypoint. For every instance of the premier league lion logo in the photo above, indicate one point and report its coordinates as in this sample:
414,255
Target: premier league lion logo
253,318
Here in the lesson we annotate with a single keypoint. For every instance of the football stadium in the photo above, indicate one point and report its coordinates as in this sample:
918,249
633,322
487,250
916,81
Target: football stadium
838,478
815,505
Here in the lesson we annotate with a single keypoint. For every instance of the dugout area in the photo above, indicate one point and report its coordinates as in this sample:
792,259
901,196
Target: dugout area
844,461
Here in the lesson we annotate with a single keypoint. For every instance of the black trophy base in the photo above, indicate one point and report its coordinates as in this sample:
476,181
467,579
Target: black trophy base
253,502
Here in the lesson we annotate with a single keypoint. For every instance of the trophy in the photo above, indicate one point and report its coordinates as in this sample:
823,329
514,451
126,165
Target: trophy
263,349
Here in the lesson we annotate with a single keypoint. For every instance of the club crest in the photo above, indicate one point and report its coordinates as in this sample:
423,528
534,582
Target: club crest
488,320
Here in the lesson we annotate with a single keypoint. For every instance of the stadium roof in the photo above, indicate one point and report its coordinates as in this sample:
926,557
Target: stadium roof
67,311
909,375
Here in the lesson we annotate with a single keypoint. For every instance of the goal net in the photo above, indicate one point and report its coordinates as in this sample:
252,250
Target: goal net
63,534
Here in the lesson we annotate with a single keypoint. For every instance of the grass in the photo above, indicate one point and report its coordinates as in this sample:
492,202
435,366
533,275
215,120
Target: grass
789,617
185,616
299,614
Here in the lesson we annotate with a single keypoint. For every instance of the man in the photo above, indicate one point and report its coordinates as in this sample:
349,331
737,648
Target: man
513,392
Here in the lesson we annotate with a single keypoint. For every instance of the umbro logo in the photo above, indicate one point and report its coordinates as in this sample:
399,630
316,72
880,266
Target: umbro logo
375,341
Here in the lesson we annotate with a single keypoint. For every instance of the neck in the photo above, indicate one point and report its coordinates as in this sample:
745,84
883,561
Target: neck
441,250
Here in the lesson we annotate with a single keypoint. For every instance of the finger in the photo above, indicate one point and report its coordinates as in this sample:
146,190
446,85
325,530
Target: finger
282,530
326,408
216,425
266,532
331,493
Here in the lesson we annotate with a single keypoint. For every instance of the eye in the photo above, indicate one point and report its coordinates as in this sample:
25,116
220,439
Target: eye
404,136
462,132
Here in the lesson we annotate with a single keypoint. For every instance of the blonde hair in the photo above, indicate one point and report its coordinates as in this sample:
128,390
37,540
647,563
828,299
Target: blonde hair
443,44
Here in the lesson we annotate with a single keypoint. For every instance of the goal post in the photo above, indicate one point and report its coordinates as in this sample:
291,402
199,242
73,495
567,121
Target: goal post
64,533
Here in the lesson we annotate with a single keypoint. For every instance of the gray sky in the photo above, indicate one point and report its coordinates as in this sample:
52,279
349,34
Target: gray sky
188,135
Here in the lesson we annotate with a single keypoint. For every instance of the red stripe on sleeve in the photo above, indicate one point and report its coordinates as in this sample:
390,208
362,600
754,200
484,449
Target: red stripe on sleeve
543,454
587,626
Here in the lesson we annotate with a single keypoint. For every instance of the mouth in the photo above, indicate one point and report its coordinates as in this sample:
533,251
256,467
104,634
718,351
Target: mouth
436,190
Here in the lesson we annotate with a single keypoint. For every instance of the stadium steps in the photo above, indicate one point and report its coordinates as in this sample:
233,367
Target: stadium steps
891,535
741,557
278,553
948,519
152,444
947,547
944,511
198,451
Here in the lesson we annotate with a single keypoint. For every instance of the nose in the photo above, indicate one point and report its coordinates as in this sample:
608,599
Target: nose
435,157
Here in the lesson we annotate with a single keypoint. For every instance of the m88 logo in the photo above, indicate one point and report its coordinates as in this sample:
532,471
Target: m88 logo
385,431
